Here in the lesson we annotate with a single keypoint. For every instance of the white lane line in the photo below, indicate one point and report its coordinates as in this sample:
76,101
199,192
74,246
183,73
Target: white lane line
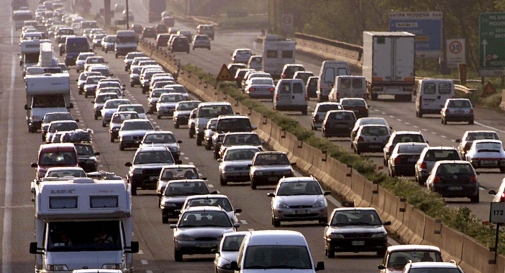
443,136
415,126
140,252
407,123
210,186
490,127
182,153
7,221
191,163
434,133
398,119
425,130
383,113
392,116
244,222
186,158
144,262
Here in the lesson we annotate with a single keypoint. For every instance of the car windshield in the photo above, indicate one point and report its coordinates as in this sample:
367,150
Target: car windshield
93,80
179,173
309,187
171,98
233,125
146,157
104,98
57,158
136,108
213,111
158,138
95,60
62,127
353,103
158,93
459,104
84,150
107,84
139,125
356,218
398,259
114,104
277,256
120,117
186,106
411,149
245,139
242,154
262,81
57,116
328,107
221,202
63,173
490,147
375,131
204,219
83,57
341,115
186,189
232,243
449,169
271,159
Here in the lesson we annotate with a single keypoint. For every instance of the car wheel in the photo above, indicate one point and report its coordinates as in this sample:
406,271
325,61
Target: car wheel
111,138
253,184
198,141
176,126
208,146
132,85
85,95
384,162
159,117
177,255
96,117
323,221
115,55
106,51
191,134
134,190
304,111
358,152
223,181
502,169
276,223
103,124
470,122
444,121
328,252
164,219
475,199
121,148
381,252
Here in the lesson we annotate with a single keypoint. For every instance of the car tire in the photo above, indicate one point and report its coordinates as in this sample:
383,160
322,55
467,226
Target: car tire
164,219
323,221
253,184
111,139
134,190
132,85
470,122
103,124
358,152
177,255
475,199
502,169
223,181
208,146
115,55
158,116
198,141
216,154
85,95
96,117
328,252
191,134
276,223
121,148
176,126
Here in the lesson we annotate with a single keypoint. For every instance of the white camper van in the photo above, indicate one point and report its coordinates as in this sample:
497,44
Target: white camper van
71,218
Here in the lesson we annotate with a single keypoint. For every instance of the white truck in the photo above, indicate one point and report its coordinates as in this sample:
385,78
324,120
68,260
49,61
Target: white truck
126,42
83,223
276,53
389,64
46,93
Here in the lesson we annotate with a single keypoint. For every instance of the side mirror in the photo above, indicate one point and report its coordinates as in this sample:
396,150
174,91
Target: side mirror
203,178
319,266
427,142
234,265
172,226
387,223
271,194
26,107
238,210
178,161
128,164
77,120
71,105
34,165
214,250
493,192
254,127
458,140
34,249
179,141
97,153
327,193
134,247
236,225
381,266
249,165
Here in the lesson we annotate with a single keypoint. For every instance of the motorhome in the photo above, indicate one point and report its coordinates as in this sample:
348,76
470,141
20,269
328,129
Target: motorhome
46,93
276,53
20,16
29,56
83,223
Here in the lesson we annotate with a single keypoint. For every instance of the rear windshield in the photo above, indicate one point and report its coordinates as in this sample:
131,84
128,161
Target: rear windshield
481,135
327,107
375,131
353,102
488,147
214,111
436,155
408,138
248,139
411,149
459,104
341,115
454,168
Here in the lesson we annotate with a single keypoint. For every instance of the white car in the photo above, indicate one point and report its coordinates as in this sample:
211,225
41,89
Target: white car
235,164
320,112
60,126
241,55
398,256
165,139
182,111
370,138
81,59
117,120
201,41
109,108
166,104
212,200
487,154
139,108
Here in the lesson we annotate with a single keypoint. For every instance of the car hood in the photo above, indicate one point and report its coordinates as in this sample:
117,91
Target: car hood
299,200
204,231
85,259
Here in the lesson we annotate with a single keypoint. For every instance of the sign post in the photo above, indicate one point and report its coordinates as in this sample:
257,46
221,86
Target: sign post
496,216
455,52
492,51
427,26
287,24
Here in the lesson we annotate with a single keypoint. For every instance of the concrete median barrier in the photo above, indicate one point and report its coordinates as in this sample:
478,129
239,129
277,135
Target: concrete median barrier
475,258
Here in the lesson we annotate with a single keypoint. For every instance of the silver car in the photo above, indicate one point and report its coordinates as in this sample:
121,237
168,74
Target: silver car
370,138
116,121
299,199
457,110
227,251
166,104
235,164
199,231
429,156
175,172
212,200
208,133
182,111
320,112
268,167
259,88
163,138
109,108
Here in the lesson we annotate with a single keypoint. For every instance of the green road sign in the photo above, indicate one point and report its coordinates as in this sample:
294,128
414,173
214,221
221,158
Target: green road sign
492,44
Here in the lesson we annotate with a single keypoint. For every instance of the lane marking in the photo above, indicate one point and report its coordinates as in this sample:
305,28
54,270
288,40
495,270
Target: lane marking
144,262
490,127
141,252
211,186
244,222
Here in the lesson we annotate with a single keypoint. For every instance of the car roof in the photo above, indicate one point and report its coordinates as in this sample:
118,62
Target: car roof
354,208
276,237
440,162
240,133
123,112
213,103
242,147
62,121
207,196
160,133
406,132
271,152
232,117
151,148
433,265
487,140
297,179
179,166
412,144
480,131
412,247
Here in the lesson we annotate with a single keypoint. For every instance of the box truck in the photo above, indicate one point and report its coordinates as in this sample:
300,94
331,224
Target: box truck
389,64
156,7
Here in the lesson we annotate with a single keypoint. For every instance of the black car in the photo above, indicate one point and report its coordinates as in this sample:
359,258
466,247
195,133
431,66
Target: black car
138,29
149,32
454,178
338,123
355,230
180,44
357,105
87,157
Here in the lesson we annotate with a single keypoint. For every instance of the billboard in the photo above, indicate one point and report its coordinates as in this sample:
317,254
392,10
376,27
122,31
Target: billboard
427,26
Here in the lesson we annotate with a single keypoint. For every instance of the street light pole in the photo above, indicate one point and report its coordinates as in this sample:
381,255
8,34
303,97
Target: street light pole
127,15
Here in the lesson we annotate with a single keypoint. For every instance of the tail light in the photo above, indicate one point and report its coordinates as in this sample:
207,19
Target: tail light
436,179
502,197
271,89
252,89
360,139
397,160
473,179
305,96
424,166
471,111
277,98
447,111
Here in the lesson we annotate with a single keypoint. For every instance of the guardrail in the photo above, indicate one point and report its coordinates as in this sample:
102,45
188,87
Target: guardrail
411,224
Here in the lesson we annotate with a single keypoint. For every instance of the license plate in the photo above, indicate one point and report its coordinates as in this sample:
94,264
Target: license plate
301,211
153,178
205,245
374,146
459,111
489,162
454,188
356,111
411,160
358,243
273,179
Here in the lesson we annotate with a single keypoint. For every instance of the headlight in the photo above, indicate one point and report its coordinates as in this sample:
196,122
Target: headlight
57,267
183,237
336,236
137,171
319,204
281,205
379,235
111,266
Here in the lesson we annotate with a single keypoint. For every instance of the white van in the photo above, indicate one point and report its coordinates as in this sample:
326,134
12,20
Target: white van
432,94
348,87
330,70
275,251
255,62
290,95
